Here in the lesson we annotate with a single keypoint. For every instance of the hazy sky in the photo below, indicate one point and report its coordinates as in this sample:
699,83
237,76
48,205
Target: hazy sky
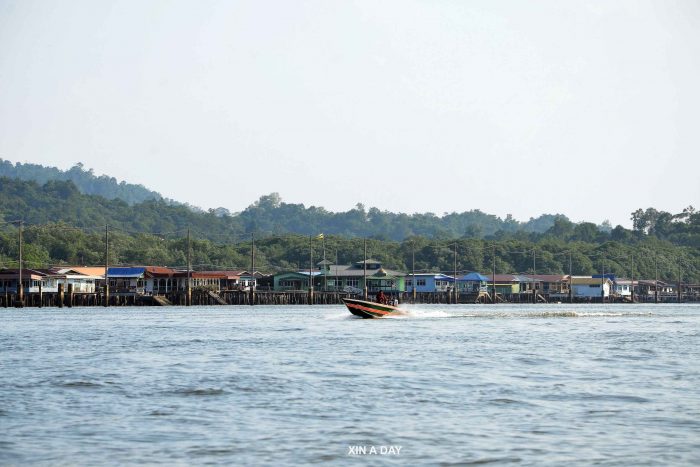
587,108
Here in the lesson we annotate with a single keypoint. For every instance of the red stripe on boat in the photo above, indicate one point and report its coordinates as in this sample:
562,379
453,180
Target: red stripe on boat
367,309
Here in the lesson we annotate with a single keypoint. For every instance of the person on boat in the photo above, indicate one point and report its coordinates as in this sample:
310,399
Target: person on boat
381,298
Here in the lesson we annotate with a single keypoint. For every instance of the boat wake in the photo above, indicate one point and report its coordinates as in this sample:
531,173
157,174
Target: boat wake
409,312
416,313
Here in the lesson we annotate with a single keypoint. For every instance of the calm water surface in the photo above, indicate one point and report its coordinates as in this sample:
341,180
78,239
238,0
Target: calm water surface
536,385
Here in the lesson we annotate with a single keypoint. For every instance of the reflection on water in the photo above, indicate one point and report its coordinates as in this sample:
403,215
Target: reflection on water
556,384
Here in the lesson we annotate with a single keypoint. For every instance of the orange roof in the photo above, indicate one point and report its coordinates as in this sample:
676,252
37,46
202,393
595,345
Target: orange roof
548,277
87,270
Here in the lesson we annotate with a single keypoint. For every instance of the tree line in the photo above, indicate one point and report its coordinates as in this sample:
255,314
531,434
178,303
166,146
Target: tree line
56,244
65,226
62,201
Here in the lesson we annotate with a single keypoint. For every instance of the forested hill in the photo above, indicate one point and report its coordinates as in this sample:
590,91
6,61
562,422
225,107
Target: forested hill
268,215
271,214
61,201
85,180
154,232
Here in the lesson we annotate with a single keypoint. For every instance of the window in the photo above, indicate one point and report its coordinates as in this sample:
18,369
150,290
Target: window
420,282
352,282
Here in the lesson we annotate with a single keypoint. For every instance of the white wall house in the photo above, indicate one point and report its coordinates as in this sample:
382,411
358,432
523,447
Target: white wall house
622,287
429,282
589,287
81,283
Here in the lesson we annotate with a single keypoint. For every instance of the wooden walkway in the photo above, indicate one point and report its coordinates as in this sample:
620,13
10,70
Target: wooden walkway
294,297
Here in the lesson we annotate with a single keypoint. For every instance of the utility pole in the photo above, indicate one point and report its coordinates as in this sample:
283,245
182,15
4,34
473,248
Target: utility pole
106,298
602,282
20,286
632,274
413,269
311,265
188,298
455,281
364,274
680,284
534,273
495,296
571,283
252,269
656,279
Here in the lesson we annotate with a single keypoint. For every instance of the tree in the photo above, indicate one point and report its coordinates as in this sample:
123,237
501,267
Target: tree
586,232
563,228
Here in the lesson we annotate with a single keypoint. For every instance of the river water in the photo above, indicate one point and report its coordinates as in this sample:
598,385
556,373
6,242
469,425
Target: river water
460,384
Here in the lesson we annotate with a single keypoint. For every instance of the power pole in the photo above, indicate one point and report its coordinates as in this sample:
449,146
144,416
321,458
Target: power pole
311,277
680,285
20,286
656,279
364,274
188,298
455,281
602,282
571,283
106,298
252,269
632,284
495,296
413,269
534,273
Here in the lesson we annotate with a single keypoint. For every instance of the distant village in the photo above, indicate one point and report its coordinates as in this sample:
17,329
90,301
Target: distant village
326,283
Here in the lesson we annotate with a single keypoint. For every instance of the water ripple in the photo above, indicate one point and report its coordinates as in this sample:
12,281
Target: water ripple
550,384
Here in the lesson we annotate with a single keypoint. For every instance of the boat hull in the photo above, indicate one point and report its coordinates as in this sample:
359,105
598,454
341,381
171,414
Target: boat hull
369,310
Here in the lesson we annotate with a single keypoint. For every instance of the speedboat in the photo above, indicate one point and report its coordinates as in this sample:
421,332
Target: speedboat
367,310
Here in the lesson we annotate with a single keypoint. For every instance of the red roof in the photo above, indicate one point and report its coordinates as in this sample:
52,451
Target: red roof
26,274
201,274
229,274
160,271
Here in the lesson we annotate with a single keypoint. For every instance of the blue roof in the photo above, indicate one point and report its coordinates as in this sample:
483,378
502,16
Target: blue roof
607,276
474,277
125,272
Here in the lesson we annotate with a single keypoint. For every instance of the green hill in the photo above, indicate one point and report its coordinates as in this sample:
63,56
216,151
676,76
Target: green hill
63,225
85,180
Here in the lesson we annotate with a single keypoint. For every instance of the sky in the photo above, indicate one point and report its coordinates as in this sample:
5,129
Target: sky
586,108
